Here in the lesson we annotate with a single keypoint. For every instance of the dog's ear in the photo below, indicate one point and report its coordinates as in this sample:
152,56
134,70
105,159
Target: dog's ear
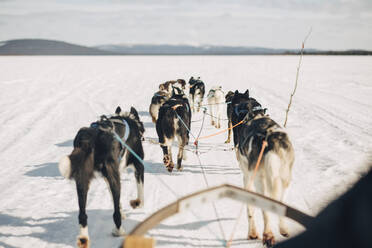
246,93
134,112
118,110
236,92
182,82
161,87
265,109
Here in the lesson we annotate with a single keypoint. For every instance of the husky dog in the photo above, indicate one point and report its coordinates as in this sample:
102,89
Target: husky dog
169,85
174,121
197,91
157,101
166,91
229,111
274,172
97,149
215,99
180,83
165,87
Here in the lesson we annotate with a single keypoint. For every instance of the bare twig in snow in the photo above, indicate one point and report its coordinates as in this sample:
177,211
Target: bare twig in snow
298,70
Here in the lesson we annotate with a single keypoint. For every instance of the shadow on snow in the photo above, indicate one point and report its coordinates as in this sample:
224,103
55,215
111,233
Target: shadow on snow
63,229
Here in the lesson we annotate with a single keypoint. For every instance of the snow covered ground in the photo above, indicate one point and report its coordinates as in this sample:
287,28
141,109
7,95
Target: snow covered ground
45,100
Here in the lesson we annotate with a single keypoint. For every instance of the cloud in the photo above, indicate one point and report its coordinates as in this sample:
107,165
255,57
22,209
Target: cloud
337,24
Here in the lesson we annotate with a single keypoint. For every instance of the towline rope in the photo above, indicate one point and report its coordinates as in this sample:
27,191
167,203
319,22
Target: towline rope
209,104
219,132
116,136
200,164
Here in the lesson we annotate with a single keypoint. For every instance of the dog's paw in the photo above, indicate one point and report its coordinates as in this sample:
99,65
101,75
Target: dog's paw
83,241
136,203
118,232
268,239
227,141
166,160
180,168
170,167
253,236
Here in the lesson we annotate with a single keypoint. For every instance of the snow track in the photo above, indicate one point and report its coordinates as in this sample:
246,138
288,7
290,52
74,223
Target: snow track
45,100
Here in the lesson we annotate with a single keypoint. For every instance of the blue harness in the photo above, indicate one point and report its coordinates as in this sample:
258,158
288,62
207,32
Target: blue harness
112,130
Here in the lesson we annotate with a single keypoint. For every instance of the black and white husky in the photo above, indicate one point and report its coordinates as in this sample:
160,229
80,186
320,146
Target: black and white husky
215,99
174,121
167,89
157,101
197,91
274,173
98,149
229,111
169,85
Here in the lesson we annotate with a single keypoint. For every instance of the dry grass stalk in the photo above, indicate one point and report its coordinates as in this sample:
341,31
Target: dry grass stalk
298,70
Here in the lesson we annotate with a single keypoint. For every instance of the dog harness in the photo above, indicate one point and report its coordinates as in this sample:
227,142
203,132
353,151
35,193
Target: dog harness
123,121
112,129
241,109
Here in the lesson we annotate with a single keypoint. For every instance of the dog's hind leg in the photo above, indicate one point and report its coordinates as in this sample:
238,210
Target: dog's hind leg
211,113
171,164
139,176
111,172
252,233
268,236
218,111
123,216
273,188
180,154
82,191
167,157
184,156
229,133
179,158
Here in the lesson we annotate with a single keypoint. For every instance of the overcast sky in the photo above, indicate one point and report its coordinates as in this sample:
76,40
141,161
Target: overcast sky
337,24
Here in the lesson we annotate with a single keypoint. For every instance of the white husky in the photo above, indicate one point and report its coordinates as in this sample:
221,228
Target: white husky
216,100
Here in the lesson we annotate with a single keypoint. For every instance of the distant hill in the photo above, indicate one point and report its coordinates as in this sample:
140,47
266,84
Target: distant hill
51,47
217,50
46,47
192,50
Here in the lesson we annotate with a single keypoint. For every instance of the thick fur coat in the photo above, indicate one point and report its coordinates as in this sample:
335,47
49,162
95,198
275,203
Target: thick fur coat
215,99
174,122
97,150
196,92
274,171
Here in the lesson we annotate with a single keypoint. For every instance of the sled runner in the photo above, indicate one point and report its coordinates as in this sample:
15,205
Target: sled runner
206,196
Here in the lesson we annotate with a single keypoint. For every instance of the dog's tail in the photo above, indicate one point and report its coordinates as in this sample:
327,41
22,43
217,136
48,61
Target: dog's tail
79,165
134,115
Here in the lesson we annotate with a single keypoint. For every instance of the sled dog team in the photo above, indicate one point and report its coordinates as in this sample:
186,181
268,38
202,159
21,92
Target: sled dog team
113,143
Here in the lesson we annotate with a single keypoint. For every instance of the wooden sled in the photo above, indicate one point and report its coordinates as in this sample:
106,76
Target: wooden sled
136,239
